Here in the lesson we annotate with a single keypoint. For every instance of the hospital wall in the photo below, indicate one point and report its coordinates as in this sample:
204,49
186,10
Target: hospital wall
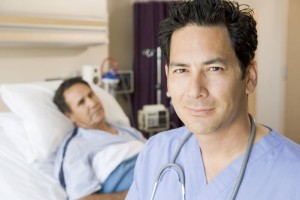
292,94
271,16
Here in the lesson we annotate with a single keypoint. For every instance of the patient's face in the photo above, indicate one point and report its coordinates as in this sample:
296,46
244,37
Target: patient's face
86,108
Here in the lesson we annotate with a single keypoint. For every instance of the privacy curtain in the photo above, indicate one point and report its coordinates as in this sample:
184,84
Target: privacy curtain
147,16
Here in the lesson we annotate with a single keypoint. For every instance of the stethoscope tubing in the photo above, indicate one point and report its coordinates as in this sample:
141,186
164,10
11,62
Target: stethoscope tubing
172,164
246,158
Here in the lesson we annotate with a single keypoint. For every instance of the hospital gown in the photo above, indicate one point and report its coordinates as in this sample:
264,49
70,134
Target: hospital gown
273,171
93,158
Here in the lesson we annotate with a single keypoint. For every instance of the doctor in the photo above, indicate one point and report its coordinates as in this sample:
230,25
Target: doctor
221,153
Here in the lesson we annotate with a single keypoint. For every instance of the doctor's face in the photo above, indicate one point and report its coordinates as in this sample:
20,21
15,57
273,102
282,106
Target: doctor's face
204,79
86,108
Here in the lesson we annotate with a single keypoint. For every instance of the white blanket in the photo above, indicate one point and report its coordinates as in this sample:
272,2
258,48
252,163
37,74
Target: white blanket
19,181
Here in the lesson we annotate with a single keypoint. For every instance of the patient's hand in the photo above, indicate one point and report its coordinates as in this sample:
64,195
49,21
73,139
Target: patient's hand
109,196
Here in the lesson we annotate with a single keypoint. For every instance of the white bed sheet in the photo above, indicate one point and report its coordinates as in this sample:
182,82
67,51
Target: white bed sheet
20,181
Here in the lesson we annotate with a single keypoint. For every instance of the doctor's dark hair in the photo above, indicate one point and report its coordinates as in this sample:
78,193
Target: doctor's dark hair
239,22
59,98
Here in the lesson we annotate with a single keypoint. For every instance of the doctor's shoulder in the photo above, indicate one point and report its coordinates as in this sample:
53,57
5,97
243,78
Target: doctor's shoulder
289,147
290,152
287,155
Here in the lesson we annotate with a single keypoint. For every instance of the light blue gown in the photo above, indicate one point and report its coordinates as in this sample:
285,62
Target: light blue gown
273,171
80,177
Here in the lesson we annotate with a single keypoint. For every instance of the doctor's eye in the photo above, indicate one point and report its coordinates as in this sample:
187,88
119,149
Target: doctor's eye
214,69
180,71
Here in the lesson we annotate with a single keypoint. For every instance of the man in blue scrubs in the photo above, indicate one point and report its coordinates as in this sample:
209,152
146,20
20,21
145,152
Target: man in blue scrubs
209,47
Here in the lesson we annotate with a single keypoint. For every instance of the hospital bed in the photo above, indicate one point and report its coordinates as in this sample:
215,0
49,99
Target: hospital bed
30,134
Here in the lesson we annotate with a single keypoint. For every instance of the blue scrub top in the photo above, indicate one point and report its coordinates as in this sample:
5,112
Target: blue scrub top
273,170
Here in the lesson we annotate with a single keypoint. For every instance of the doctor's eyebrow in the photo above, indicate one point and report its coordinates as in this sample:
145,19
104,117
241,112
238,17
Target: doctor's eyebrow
215,60
176,64
208,62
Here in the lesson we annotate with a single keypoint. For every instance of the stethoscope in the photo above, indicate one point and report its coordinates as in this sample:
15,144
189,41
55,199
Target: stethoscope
173,167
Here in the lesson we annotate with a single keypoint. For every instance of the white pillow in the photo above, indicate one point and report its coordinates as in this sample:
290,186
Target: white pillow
45,126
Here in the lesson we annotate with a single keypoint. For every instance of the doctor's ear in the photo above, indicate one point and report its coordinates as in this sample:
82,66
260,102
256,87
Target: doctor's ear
251,77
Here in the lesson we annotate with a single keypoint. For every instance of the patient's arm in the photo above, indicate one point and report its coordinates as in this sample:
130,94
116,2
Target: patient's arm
109,196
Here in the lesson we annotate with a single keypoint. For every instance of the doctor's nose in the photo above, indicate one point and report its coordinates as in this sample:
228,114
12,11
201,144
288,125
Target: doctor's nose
197,87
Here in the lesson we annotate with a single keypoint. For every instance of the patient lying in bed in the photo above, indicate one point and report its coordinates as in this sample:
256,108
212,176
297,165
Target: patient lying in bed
97,158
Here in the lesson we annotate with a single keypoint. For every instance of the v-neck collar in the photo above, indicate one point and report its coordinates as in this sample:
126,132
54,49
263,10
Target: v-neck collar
226,178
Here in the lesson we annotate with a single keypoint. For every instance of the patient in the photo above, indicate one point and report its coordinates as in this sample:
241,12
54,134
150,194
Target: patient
97,160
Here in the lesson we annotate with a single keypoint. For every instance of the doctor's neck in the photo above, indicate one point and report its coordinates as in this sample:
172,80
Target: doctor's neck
226,143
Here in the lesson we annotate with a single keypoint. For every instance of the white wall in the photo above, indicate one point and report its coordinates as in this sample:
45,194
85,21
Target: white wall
121,32
292,125
36,64
272,18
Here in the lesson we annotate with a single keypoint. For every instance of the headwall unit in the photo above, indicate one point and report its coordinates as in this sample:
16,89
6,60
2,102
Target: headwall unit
53,23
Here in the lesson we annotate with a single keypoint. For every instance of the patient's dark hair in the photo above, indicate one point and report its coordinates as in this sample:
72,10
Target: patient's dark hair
239,22
59,98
